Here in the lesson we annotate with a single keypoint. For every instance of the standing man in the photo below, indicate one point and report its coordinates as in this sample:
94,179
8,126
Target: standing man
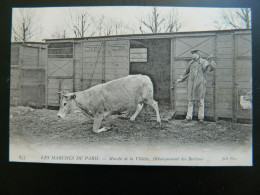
196,73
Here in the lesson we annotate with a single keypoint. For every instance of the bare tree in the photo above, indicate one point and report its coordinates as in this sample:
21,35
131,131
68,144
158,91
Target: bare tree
220,24
157,21
118,26
23,25
80,22
100,25
173,21
153,22
234,18
61,31
109,26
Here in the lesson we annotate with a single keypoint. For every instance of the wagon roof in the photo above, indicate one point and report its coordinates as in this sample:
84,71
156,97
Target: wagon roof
147,36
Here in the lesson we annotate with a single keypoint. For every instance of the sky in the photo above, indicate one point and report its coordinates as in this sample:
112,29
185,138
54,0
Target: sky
194,19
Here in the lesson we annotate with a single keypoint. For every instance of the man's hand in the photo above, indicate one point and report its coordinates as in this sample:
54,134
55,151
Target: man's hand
178,81
174,84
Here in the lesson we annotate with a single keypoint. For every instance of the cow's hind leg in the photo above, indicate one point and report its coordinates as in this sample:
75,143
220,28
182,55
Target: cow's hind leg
154,104
97,123
138,109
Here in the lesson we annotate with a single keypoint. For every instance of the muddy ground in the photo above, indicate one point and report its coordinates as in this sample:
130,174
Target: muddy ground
43,127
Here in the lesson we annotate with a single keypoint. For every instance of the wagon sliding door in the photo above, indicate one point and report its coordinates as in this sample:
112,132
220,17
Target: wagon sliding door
104,61
181,47
92,63
32,75
116,59
60,71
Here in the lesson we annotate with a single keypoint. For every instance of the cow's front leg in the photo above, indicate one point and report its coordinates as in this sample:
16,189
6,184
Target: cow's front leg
138,109
97,123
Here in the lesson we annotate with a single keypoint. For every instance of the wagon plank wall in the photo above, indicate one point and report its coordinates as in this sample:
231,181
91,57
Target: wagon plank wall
78,61
243,74
224,75
28,74
15,75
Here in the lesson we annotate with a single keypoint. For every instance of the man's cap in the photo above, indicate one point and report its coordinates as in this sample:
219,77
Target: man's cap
194,51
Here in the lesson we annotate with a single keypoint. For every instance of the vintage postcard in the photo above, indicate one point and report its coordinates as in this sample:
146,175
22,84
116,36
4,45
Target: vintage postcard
160,86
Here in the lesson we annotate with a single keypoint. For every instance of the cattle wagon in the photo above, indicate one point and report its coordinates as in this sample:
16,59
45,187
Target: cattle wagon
79,63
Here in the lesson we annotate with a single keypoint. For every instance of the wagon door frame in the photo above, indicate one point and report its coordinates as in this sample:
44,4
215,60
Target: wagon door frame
181,45
60,71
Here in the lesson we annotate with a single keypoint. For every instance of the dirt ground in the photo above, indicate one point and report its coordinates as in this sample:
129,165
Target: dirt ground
44,127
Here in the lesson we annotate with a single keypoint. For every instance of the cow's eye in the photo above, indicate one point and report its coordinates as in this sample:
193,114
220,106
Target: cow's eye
65,104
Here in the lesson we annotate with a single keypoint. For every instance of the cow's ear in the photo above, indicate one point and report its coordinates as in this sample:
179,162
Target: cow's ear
66,96
72,96
62,93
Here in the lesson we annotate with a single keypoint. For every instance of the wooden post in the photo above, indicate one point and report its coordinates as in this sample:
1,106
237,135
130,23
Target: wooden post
215,91
73,69
171,72
103,47
82,63
46,77
128,68
39,55
39,88
20,69
173,76
234,119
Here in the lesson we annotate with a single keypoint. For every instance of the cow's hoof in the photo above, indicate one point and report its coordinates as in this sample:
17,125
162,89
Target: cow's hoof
107,128
102,129
132,119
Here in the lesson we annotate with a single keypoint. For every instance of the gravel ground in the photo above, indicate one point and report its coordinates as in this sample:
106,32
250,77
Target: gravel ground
44,127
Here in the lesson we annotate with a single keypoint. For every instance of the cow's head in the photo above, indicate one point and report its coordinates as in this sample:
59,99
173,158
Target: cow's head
66,103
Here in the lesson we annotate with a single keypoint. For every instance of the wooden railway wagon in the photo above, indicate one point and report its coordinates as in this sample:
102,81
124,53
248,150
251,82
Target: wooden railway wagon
79,63
232,79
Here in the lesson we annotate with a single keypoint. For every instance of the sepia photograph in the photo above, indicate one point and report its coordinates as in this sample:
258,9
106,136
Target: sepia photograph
131,85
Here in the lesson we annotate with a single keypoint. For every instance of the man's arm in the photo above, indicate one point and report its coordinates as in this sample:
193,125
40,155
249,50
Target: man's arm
211,65
184,74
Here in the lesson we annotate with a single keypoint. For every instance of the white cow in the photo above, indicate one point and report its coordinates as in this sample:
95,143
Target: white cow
116,95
